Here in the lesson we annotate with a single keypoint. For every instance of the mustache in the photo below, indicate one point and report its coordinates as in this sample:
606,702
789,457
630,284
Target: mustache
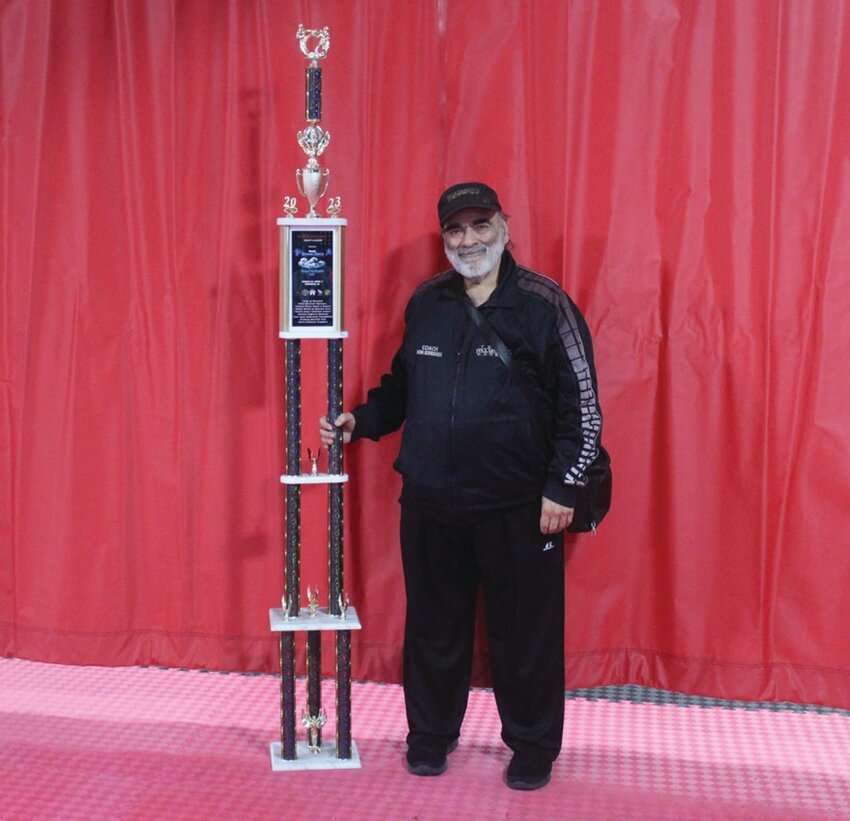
478,248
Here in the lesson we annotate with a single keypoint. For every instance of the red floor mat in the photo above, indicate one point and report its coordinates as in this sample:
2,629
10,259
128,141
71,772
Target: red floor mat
131,743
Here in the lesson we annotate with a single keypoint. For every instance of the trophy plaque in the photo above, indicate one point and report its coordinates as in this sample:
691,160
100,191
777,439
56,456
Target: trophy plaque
311,255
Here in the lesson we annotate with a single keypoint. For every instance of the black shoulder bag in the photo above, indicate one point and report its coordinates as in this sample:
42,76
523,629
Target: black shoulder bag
594,498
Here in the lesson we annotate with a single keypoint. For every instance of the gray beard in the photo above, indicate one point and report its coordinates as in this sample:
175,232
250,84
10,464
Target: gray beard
481,265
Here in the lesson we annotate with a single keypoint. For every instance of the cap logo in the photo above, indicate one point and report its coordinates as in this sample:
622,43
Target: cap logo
463,191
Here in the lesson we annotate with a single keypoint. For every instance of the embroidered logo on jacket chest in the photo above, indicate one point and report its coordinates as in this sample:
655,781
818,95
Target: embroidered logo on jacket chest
429,350
486,350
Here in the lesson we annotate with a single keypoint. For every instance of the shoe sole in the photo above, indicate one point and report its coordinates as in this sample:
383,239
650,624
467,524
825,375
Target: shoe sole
427,769
518,784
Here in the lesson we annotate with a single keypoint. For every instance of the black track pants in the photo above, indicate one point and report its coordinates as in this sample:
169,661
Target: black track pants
522,576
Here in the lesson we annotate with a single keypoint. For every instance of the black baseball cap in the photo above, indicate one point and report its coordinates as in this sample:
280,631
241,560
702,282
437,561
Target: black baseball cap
466,195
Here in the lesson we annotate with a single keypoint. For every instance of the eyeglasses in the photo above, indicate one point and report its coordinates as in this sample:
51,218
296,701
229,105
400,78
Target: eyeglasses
457,231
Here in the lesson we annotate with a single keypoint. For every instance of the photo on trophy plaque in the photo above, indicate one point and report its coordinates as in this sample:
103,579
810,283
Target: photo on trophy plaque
311,296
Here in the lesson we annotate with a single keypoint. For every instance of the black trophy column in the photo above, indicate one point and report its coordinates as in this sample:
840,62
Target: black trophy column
313,94
335,568
314,677
293,551
335,586
343,694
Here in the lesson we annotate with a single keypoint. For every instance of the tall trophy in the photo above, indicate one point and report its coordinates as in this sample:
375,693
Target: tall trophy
311,303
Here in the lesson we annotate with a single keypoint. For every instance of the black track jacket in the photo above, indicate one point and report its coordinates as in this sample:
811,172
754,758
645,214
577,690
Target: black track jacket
474,438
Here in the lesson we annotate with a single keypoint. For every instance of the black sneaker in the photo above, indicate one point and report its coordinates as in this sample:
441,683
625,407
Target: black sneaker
422,759
528,771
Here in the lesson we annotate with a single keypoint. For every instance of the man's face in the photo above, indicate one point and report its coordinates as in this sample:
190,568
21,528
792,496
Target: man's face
474,240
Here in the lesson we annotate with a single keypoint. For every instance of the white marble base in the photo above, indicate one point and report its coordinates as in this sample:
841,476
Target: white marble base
313,333
321,621
318,479
325,759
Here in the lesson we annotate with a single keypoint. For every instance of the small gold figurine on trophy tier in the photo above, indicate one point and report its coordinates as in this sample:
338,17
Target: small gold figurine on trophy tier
313,456
313,725
344,603
312,601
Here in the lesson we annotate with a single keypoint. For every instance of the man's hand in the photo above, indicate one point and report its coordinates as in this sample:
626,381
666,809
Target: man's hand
327,432
554,517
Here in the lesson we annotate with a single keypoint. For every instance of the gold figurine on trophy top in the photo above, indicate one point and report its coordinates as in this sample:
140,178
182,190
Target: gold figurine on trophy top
312,180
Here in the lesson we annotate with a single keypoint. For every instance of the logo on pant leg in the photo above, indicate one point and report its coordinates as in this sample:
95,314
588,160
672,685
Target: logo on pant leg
548,546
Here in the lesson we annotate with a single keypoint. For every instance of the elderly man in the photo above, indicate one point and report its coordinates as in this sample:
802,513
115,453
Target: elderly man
495,384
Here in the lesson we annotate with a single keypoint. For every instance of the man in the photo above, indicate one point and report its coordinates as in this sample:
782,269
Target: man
492,456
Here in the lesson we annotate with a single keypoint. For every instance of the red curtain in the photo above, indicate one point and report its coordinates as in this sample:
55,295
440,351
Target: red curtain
682,168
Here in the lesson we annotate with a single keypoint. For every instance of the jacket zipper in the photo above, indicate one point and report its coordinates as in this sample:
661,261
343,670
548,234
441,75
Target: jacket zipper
465,325
452,429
